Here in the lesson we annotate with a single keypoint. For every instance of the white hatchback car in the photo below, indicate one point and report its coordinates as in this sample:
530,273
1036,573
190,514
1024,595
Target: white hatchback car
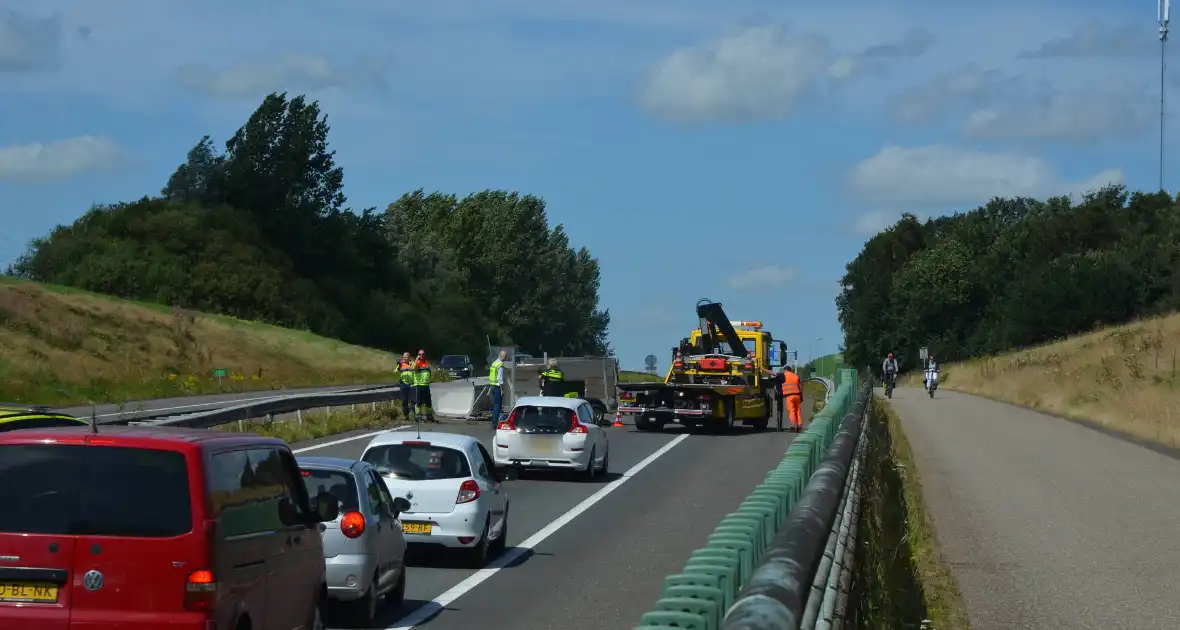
454,488
552,433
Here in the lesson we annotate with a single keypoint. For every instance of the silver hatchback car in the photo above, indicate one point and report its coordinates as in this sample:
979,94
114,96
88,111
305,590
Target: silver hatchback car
364,551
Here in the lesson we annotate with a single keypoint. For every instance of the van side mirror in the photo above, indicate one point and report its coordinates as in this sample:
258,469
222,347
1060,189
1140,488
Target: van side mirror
400,505
287,515
327,508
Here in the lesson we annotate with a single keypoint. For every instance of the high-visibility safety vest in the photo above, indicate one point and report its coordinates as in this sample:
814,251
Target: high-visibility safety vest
791,384
421,373
555,376
494,373
405,372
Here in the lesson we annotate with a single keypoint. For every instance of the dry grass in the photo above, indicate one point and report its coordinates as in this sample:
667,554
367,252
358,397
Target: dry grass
320,423
1124,378
903,580
63,346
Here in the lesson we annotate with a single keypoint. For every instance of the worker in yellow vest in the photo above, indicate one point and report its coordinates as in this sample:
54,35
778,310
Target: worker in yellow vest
793,395
552,382
405,374
422,387
496,372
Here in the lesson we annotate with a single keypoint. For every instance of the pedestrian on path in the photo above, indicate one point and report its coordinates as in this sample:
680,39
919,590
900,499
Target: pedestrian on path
793,395
405,373
496,389
422,387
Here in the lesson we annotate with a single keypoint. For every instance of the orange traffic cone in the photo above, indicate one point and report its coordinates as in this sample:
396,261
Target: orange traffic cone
618,420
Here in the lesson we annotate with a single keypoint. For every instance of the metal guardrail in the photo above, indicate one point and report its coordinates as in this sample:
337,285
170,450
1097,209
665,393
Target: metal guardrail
774,541
806,569
291,403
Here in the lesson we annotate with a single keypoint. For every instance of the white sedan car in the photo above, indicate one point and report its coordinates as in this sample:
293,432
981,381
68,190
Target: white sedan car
552,433
455,492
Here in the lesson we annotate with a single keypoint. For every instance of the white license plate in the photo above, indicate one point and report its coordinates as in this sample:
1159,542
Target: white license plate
540,446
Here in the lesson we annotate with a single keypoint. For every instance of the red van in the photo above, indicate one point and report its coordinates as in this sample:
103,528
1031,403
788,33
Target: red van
138,528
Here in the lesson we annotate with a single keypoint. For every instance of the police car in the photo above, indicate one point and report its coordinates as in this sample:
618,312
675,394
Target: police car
14,417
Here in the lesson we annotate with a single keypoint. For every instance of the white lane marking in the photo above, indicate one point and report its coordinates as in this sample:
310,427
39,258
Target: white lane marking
348,439
430,609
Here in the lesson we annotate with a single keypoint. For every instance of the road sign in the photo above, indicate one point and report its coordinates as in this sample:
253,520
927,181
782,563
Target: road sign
650,361
774,354
219,372
922,353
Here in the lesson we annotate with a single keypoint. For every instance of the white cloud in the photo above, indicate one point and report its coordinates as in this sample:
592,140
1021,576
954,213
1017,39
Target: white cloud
759,72
289,72
945,92
61,159
944,175
762,277
1083,116
29,44
1099,40
873,222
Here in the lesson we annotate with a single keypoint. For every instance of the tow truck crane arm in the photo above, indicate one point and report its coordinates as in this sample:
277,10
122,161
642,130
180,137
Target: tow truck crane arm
713,320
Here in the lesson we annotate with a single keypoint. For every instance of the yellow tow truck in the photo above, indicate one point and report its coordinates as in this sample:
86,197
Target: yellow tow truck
721,375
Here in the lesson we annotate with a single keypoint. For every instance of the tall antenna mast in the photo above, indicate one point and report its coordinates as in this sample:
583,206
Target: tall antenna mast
1163,14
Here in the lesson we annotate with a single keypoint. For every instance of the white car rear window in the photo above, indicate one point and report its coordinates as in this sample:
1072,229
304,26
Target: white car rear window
418,461
547,418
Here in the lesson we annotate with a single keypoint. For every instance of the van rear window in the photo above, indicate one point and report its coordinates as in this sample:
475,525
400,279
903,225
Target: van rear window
93,491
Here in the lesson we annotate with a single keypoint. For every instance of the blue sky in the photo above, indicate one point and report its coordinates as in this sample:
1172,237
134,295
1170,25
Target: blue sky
740,151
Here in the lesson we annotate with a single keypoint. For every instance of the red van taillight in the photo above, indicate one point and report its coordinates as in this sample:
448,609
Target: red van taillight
200,591
575,426
352,524
468,492
509,424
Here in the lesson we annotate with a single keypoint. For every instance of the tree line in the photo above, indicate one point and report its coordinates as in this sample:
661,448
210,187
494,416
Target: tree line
260,231
1010,274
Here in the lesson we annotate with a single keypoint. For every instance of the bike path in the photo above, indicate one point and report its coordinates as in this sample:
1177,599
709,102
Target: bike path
1046,523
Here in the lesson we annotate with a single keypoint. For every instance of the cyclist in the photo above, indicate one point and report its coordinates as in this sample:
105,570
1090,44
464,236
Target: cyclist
889,369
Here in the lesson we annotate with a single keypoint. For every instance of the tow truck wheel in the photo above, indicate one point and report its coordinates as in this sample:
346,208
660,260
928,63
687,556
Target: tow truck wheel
726,425
648,424
762,422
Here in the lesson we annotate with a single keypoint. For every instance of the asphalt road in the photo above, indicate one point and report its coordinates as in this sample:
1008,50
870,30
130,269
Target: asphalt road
1046,523
592,555
192,404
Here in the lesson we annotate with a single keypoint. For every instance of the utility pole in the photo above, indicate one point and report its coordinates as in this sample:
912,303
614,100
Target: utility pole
1163,15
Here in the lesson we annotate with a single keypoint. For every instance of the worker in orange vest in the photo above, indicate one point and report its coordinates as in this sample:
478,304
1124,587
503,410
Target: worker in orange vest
793,395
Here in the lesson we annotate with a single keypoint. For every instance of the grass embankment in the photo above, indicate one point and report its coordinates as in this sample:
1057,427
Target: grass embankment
318,423
902,581
639,377
818,393
1123,378
61,346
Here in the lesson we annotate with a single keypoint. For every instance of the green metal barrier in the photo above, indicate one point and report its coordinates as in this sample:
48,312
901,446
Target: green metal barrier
698,597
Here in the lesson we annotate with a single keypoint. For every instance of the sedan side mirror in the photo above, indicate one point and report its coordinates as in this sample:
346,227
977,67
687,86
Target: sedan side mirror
400,505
